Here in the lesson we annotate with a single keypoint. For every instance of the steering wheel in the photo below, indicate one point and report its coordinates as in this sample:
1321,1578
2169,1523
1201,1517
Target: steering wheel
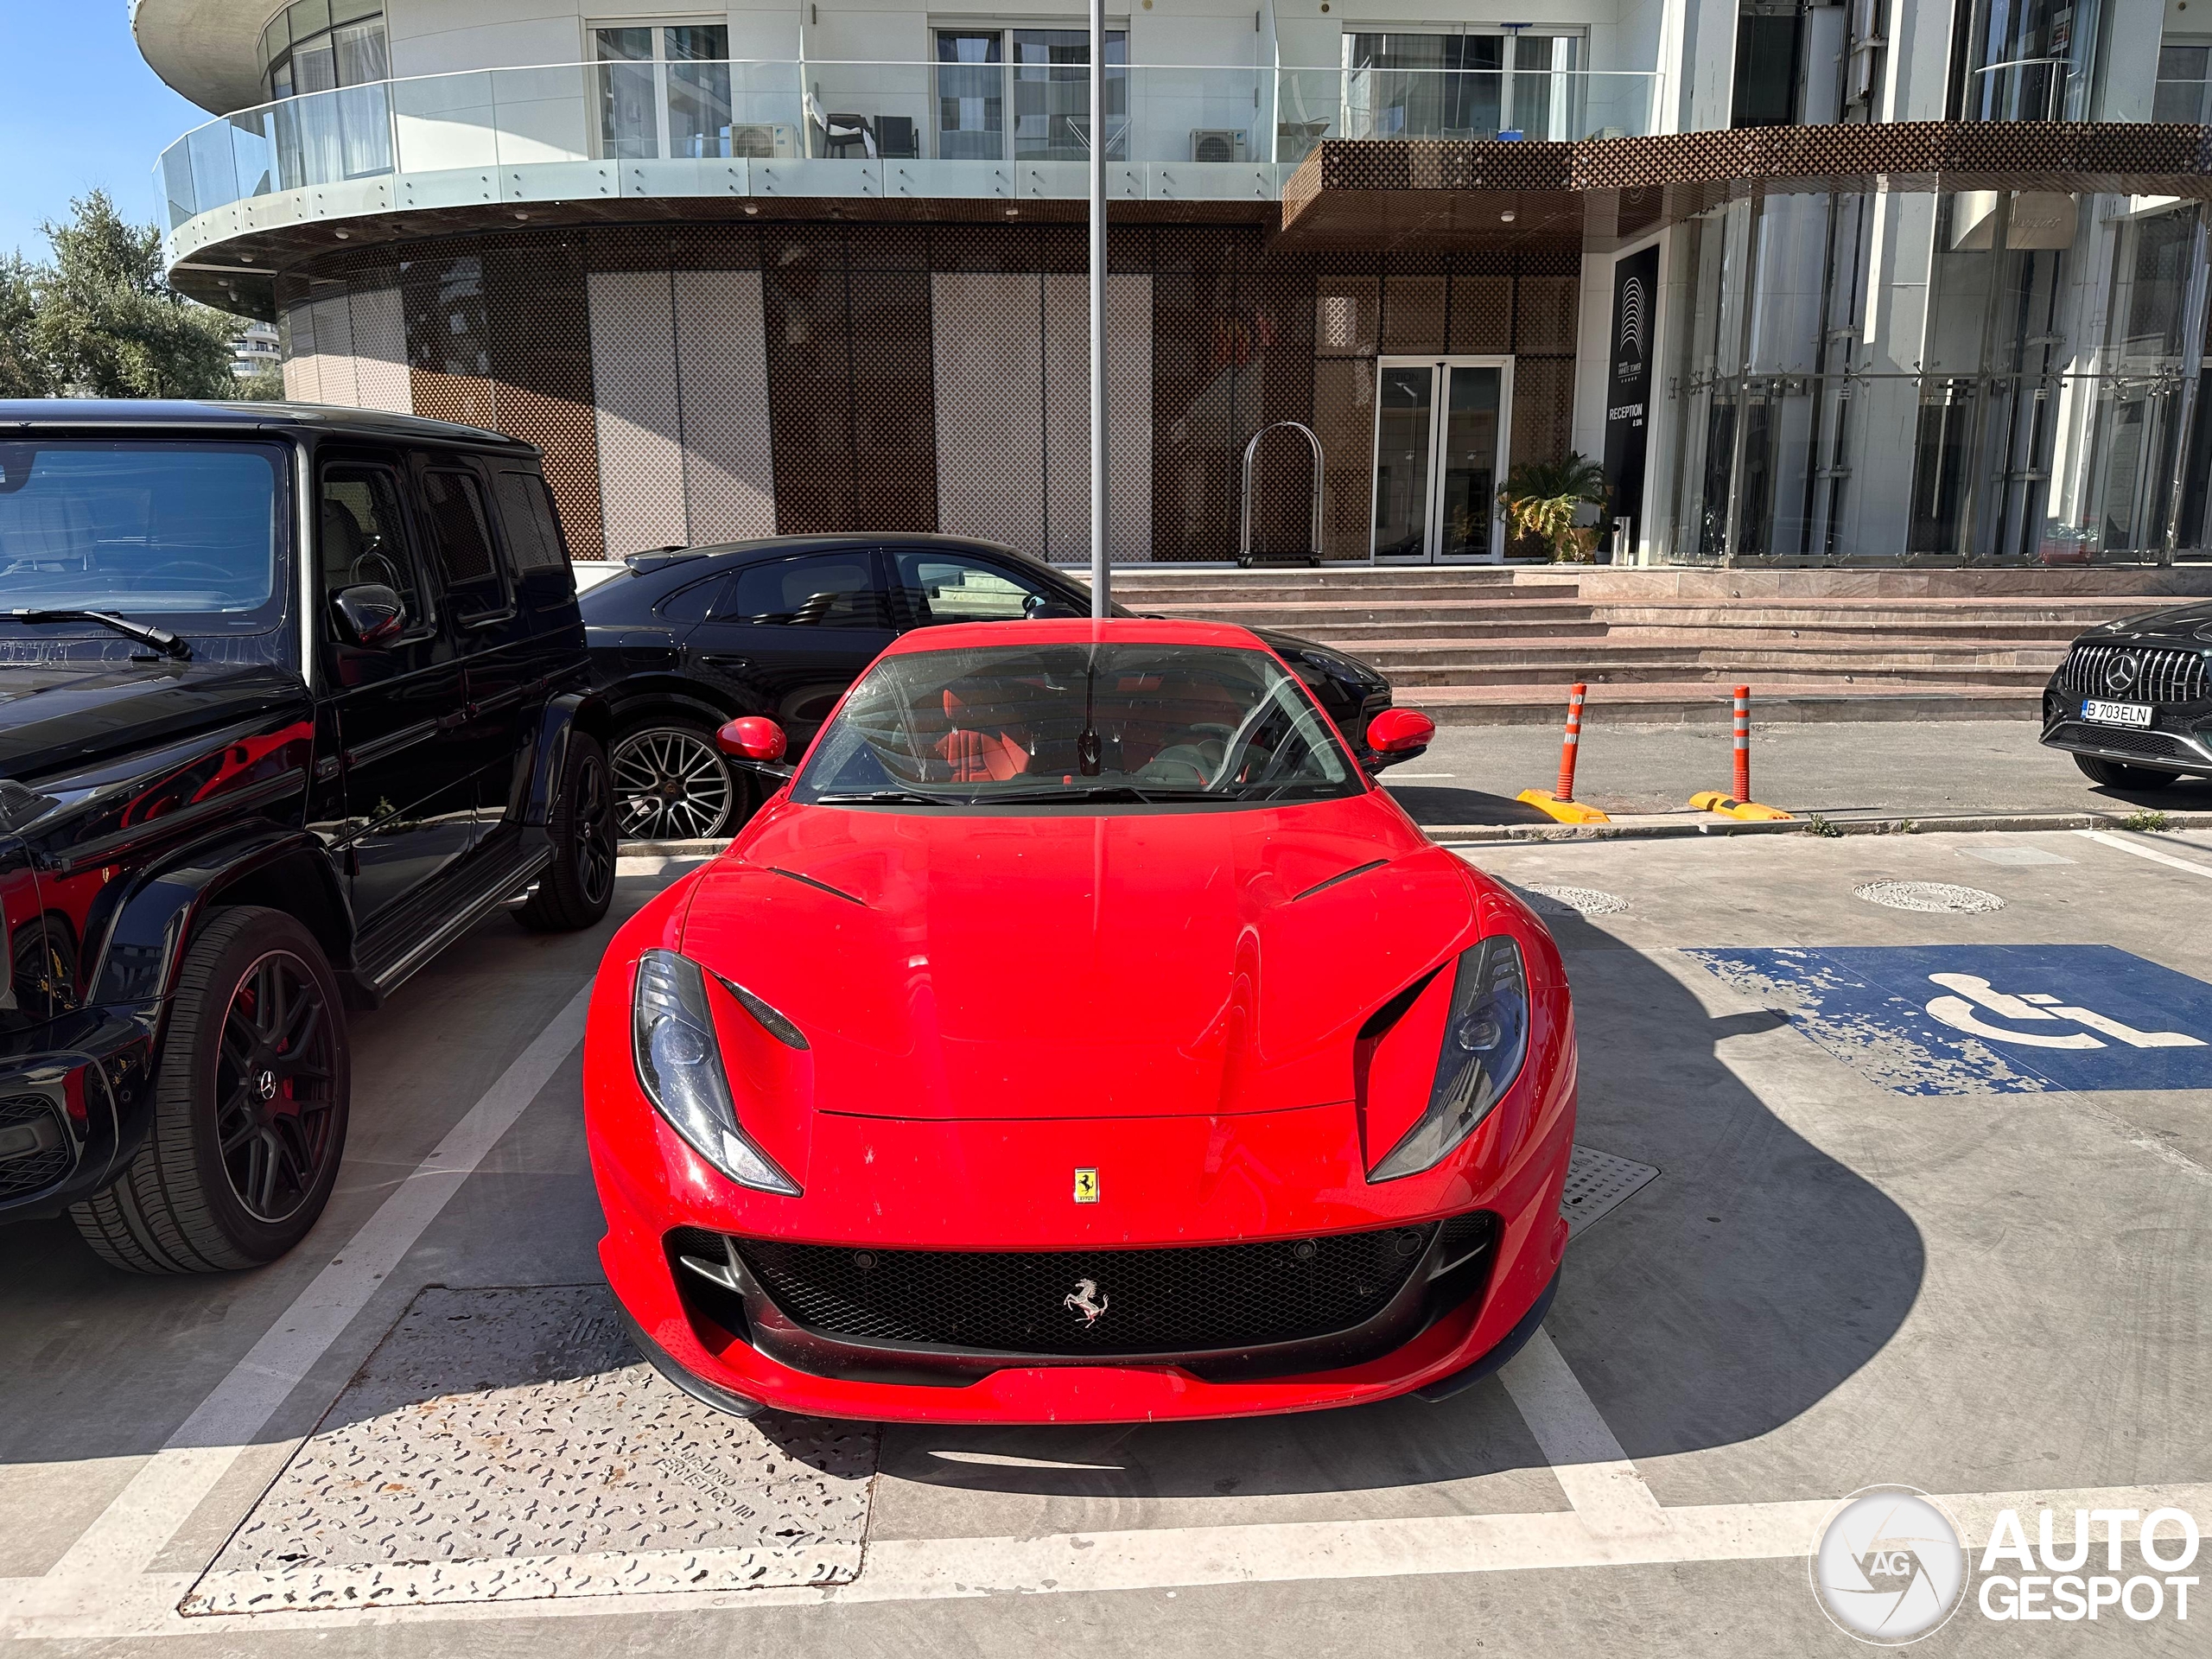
194,566
1248,731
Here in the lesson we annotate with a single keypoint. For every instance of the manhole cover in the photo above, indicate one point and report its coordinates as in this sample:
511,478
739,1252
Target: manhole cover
1572,901
506,1444
1930,897
1596,1182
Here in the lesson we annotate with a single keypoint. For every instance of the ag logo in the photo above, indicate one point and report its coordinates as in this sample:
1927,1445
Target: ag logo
1888,1567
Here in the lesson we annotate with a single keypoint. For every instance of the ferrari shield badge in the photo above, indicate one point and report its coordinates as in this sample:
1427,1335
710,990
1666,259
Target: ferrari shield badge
1086,1186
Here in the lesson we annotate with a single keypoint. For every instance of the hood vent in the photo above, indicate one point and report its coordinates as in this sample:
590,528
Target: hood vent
1395,1010
1358,869
808,881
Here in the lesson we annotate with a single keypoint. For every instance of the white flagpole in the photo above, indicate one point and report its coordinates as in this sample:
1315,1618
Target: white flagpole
1098,141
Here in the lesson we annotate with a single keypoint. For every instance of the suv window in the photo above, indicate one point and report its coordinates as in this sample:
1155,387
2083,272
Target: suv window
820,590
461,530
942,588
541,557
365,534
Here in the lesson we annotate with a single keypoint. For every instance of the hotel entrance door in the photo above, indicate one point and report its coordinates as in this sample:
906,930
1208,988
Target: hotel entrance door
1440,438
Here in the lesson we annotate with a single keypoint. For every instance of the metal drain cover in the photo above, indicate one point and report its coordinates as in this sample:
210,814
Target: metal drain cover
1549,900
1930,897
507,1445
1596,1182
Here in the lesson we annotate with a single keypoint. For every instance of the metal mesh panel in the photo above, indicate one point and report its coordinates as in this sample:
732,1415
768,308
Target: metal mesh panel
1193,418
1481,315
894,431
722,372
448,355
1413,314
1543,408
1343,415
380,351
1274,367
809,382
333,350
1544,314
296,339
638,419
541,347
991,407
1347,315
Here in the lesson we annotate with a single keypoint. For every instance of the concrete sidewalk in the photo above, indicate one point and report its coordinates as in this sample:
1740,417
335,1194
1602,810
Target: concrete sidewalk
1925,770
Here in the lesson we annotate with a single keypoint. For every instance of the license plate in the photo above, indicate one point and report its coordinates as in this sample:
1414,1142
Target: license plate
2116,714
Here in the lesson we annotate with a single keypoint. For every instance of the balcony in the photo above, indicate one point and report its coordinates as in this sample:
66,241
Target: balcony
1014,132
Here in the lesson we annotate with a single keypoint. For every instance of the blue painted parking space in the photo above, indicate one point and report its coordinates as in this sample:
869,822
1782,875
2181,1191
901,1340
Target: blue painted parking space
1976,1020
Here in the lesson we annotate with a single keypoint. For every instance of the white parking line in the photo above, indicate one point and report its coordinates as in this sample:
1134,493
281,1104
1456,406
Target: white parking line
936,1569
2141,851
1599,1481
162,1496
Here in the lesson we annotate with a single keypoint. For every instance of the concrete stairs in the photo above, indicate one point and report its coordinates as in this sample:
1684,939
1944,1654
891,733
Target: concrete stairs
1490,645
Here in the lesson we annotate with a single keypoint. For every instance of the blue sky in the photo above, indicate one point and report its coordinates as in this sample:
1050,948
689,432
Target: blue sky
78,108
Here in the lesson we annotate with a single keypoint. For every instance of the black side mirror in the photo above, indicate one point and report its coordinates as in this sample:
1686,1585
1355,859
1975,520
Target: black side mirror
371,615
1037,608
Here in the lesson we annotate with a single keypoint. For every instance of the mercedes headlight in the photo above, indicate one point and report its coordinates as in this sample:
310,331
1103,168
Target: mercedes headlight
1485,1041
680,1068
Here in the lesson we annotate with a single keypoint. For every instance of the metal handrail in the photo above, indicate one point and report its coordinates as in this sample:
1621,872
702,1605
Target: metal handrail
1244,530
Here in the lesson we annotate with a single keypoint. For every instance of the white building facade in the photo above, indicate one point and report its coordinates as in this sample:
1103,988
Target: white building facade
1818,283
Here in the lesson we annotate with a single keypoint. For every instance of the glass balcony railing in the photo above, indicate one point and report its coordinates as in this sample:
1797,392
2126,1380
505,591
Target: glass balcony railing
940,113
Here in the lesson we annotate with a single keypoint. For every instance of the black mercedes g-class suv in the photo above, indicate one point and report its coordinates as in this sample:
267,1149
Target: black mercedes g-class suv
289,698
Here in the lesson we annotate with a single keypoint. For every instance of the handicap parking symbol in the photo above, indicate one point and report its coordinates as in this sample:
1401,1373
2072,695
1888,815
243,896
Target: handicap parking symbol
1979,1019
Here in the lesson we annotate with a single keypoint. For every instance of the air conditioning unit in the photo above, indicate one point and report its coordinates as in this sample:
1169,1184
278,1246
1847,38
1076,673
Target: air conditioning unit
1220,144
764,139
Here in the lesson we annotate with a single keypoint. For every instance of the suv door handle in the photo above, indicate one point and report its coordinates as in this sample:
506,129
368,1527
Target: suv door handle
727,661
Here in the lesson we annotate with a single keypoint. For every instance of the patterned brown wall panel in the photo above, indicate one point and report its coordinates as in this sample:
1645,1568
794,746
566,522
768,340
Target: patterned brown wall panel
380,349
810,379
1481,315
722,372
991,408
1545,313
541,371
1128,416
1543,408
1413,313
1194,346
1347,315
715,247
1344,416
627,247
449,353
638,422
894,428
1274,382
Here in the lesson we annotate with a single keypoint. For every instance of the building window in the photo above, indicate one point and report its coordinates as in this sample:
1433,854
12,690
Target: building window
2029,60
2184,81
665,90
1770,62
1504,80
318,46
1049,73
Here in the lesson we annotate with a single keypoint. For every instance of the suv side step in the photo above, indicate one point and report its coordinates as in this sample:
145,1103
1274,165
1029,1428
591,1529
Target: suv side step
403,941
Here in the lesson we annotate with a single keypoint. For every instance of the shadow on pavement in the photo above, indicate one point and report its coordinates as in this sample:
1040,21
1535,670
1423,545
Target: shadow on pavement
1444,805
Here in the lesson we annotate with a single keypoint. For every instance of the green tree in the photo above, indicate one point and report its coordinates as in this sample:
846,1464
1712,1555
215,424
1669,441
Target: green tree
107,324
262,384
24,374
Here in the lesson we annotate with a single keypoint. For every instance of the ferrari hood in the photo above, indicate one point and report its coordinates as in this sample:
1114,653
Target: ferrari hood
1135,963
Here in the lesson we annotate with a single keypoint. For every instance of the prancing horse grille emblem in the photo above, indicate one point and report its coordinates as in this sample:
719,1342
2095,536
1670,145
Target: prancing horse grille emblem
1081,1302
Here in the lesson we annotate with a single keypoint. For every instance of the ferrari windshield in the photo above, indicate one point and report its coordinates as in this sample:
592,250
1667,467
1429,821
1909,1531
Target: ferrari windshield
178,532
1074,724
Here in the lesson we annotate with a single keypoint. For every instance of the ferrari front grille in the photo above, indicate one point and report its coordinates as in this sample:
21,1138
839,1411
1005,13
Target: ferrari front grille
1179,1299
2144,674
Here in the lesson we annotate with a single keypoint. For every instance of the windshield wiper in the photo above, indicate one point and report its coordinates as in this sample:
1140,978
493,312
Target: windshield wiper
145,633
1095,792
887,797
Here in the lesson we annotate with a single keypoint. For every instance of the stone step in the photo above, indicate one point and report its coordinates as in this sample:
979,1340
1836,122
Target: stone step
1570,656
1403,674
1674,703
1361,636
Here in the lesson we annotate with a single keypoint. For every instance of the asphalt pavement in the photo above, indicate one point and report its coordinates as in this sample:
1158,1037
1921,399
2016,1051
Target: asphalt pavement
1841,1242
1922,770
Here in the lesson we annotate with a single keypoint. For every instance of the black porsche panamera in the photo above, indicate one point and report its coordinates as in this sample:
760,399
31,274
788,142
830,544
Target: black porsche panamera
2133,700
686,639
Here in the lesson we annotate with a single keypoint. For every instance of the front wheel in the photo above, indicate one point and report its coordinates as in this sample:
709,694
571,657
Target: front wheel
250,1106
579,885
2114,774
672,783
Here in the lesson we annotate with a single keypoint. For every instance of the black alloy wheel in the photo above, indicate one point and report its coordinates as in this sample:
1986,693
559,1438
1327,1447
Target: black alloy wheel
277,1115
250,1105
579,885
672,783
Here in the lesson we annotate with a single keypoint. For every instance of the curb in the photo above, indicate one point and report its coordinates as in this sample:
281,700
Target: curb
1465,834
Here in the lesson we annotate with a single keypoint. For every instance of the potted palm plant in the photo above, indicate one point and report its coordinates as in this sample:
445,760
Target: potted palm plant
1544,500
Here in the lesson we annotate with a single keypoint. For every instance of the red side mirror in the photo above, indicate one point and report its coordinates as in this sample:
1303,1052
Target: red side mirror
1399,731
753,737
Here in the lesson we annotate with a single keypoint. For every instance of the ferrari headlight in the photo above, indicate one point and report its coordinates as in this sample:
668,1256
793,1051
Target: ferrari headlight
680,1068
1485,1041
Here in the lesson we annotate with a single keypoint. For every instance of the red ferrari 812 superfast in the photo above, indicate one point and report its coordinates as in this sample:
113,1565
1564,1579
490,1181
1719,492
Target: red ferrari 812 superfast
1080,1036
